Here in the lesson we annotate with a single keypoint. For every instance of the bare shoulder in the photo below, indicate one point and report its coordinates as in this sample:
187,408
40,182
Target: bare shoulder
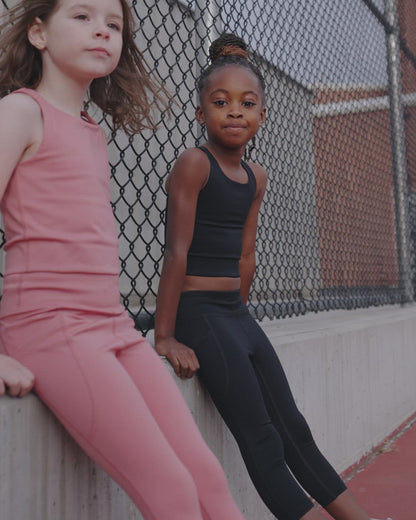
20,120
193,158
191,167
21,130
20,107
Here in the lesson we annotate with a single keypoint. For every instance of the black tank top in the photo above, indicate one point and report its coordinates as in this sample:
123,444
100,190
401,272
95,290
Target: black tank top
222,209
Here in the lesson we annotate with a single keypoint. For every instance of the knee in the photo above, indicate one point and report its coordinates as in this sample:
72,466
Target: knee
262,443
179,490
208,475
298,430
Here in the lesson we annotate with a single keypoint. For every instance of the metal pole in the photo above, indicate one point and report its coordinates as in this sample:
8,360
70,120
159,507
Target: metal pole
208,26
398,151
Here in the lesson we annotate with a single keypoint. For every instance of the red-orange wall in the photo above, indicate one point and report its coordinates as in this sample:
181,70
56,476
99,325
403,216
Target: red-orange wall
354,180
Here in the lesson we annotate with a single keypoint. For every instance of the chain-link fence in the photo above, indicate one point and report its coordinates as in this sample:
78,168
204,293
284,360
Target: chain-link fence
338,144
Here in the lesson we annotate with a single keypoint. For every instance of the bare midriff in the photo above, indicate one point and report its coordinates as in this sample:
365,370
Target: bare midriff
210,283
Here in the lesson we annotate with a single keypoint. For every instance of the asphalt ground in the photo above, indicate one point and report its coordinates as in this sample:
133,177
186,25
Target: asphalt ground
384,483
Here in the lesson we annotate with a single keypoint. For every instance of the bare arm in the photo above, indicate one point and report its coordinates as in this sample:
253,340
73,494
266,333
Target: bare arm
20,134
185,182
247,263
15,378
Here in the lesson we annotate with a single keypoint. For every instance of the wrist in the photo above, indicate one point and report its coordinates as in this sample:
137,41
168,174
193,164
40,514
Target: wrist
162,337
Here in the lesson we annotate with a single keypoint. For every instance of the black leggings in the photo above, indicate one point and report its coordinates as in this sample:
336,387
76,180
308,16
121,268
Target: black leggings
246,381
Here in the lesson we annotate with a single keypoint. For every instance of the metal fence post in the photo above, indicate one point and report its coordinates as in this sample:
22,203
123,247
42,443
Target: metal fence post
207,27
398,151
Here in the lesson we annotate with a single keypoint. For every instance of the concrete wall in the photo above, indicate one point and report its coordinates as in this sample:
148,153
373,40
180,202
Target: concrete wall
352,373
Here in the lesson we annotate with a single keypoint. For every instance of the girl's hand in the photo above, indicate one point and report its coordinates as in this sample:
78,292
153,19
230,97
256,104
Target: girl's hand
182,358
16,379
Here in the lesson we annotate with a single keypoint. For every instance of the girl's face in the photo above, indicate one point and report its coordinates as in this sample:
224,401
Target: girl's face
81,40
231,106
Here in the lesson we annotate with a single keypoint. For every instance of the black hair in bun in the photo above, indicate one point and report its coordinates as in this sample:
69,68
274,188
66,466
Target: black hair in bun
228,49
228,44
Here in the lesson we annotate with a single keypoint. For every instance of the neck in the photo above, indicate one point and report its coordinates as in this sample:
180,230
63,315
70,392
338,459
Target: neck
230,157
67,95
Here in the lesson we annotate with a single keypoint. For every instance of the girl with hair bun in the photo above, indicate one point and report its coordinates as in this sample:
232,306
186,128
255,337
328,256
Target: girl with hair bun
202,322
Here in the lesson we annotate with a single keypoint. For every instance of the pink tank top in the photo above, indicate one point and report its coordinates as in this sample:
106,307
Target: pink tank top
56,208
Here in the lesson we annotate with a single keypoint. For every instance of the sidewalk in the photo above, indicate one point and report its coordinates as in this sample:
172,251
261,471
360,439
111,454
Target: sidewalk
385,485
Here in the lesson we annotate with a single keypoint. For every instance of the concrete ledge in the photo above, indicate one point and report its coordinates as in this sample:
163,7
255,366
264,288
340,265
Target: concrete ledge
352,373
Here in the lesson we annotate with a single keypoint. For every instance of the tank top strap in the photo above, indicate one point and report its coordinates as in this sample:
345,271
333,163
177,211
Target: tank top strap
40,100
250,173
213,161
47,110
52,115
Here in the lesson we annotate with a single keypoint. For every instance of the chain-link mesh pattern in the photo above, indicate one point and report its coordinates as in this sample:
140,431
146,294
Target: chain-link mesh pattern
328,231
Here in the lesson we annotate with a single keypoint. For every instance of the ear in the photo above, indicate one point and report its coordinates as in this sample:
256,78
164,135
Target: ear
36,34
200,115
262,115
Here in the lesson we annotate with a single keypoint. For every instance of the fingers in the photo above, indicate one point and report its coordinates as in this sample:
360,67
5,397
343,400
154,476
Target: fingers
27,382
184,362
15,378
173,360
187,363
21,386
13,387
182,358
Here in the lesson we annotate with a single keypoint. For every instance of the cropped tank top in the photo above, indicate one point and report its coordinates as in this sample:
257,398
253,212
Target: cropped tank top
56,208
221,212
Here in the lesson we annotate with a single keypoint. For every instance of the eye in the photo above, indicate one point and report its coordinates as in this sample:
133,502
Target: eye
114,26
220,102
81,17
249,104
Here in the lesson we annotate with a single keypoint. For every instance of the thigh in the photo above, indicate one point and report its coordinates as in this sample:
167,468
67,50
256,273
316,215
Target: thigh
164,399
238,364
275,387
224,353
92,394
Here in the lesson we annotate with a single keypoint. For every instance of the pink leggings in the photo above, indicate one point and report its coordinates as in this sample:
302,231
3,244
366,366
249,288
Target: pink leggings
113,394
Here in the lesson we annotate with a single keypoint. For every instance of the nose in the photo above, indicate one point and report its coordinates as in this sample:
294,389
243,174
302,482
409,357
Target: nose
102,31
235,110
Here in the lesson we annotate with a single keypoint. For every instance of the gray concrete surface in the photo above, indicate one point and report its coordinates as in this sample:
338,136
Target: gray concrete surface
352,373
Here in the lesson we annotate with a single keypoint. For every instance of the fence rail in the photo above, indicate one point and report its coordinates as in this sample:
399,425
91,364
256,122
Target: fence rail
337,224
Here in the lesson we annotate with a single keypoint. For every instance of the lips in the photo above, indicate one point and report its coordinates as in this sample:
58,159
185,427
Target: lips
235,127
100,50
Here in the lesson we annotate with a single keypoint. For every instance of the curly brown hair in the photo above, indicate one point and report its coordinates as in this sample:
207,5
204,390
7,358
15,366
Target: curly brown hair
130,94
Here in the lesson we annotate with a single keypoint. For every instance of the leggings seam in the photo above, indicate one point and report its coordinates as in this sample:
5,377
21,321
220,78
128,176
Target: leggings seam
261,476
288,432
227,382
75,358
